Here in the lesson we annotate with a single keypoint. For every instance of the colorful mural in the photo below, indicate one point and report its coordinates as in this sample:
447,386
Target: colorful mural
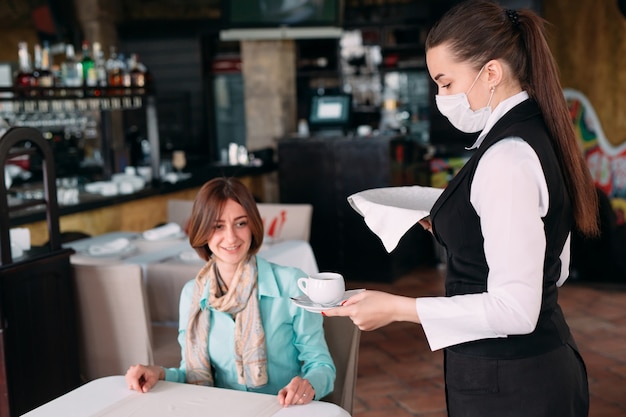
607,163
443,170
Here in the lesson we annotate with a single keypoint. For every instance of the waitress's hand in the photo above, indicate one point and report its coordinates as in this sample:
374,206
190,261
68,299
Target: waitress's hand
426,224
142,378
298,392
370,310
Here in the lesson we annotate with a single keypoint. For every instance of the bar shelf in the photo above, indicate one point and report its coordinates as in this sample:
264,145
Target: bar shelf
59,99
54,108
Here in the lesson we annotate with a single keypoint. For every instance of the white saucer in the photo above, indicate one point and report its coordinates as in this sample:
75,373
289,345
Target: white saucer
303,301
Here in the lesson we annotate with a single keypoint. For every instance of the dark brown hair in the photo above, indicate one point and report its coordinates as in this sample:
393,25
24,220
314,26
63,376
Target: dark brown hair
478,31
207,209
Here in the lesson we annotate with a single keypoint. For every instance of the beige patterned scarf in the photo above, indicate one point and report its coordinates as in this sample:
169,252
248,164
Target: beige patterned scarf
242,302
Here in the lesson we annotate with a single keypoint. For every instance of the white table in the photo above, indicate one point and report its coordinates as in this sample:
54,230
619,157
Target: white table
166,273
110,396
144,251
148,296
168,264
296,253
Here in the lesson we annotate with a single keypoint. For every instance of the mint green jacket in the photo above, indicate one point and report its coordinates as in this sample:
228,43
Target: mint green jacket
294,337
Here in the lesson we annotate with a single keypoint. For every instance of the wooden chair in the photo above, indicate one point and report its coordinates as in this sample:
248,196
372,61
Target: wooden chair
286,221
113,317
343,338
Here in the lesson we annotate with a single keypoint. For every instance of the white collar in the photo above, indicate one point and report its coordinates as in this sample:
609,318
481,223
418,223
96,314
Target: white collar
501,109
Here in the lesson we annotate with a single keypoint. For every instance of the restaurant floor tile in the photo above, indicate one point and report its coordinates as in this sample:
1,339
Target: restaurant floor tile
399,376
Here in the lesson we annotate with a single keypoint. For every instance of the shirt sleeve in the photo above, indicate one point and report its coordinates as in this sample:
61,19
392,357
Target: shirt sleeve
510,195
307,337
565,260
317,365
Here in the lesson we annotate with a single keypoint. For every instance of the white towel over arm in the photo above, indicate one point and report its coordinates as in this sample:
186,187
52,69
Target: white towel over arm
391,211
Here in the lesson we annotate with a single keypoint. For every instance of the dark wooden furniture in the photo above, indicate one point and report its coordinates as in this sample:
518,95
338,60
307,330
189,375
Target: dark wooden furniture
38,339
324,171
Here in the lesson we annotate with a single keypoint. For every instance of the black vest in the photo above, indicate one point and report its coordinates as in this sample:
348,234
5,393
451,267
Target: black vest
457,228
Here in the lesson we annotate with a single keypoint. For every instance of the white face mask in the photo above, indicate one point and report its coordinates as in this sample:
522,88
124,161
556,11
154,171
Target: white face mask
457,109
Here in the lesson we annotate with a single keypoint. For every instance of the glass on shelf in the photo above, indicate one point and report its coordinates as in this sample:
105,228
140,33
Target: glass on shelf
67,191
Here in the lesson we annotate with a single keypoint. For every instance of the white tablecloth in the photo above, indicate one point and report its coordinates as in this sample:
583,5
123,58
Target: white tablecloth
169,264
167,271
163,271
138,251
110,396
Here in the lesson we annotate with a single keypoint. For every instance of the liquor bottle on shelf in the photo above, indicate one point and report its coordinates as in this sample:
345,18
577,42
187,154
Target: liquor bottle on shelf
90,78
147,75
36,62
24,78
137,75
115,70
43,76
100,65
71,69
126,81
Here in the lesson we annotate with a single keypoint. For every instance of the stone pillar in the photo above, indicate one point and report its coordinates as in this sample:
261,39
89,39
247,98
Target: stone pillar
269,71
97,19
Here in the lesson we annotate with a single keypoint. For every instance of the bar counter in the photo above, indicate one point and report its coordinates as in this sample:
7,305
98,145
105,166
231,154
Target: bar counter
95,214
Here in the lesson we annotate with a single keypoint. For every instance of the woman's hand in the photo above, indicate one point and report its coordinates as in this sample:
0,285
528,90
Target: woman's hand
370,310
298,392
142,378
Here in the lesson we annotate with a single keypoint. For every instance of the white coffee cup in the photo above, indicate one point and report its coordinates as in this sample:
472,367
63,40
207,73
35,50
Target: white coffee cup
323,288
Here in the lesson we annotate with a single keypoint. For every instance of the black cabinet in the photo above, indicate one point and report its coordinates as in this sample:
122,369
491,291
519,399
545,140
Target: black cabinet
324,172
38,333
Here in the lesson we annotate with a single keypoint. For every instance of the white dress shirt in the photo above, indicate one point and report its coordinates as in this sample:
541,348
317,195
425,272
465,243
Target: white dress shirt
510,195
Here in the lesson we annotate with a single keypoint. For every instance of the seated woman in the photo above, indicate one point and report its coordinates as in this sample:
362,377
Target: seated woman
238,328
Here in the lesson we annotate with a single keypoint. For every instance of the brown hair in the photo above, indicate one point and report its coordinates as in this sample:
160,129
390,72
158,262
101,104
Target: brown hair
481,30
207,209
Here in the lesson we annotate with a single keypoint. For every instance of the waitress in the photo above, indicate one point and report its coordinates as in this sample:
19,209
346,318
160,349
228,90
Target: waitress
505,221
